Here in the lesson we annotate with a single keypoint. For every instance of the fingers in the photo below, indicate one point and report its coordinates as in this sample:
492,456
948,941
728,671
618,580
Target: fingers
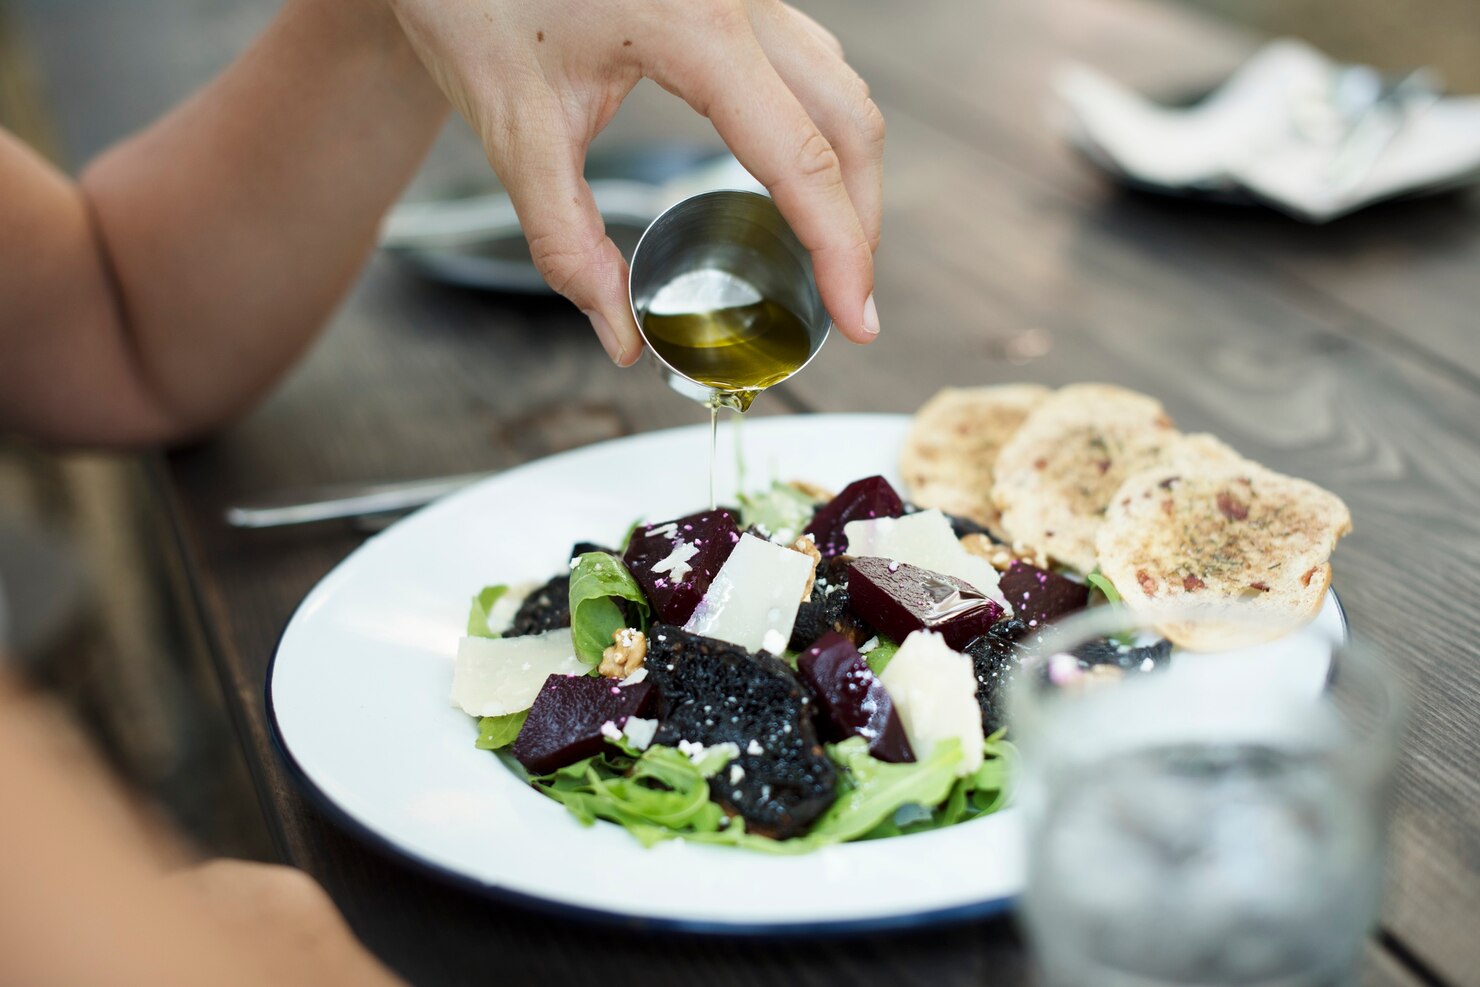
809,60
541,167
815,29
773,136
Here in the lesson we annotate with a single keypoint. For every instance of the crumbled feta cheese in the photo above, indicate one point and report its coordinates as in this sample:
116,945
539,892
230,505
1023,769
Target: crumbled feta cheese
676,565
692,749
634,677
640,731
736,773
664,530
868,645
610,732
754,748
773,642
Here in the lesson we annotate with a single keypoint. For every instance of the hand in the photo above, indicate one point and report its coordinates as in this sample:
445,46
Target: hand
539,79
283,919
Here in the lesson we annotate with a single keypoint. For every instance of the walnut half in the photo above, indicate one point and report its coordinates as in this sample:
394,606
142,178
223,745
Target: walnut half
626,655
806,546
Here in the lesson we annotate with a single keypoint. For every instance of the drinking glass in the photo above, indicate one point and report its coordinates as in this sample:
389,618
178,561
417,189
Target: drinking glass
1211,819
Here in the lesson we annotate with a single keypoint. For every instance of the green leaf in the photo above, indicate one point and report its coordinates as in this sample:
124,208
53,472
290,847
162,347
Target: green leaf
877,789
482,605
498,732
1112,597
627,538
1105,586
596,583
662,794
880,655
781,510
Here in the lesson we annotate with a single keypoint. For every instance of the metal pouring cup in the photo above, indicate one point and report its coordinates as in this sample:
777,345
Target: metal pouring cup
719,249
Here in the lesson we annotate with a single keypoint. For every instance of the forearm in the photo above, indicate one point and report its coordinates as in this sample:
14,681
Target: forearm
223,236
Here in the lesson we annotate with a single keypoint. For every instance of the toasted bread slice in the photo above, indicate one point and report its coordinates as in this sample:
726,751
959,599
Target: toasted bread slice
953,443
1220,531
1058,472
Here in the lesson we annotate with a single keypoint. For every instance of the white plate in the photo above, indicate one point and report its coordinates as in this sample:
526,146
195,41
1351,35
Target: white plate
358,699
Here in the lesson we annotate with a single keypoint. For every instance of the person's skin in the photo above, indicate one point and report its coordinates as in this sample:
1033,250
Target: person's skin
539,79
94,893
166,290
170,286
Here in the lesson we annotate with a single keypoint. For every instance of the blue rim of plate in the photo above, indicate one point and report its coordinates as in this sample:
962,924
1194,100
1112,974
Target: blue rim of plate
906,922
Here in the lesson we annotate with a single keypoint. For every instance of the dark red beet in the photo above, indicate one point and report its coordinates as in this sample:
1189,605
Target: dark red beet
898,599
565,721
856,702
1040,597
712,533
860,500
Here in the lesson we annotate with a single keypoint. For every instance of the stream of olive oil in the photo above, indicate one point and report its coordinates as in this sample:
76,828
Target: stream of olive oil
737,351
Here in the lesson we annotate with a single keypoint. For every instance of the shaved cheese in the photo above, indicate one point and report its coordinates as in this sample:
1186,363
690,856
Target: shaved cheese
924,539
934,691
497,676
754,597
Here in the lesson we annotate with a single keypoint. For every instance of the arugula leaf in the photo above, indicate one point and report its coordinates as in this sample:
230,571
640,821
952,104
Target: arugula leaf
627,538
876,789
1107,589
596,583
662,794
783,509
498,732
880,655
479,611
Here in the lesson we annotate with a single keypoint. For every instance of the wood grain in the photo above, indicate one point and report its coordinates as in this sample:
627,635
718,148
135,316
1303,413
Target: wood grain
1004,258
982,72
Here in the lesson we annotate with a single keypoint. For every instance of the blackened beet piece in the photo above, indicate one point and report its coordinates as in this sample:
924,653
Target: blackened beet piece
565,723
586,547
994,660
899,599
1130,659
1040,597
860,500
674,562
711,692
854,701
544,609
827,609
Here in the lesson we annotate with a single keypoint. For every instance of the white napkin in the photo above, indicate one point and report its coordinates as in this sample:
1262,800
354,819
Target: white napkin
1290,127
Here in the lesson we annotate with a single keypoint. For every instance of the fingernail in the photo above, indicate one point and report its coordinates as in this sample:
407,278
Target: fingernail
870,317
608,338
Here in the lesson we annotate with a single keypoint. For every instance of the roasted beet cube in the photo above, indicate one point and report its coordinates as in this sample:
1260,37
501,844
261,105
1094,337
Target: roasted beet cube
827,609
674,562
568,716
899,599
855,702
1039,596
860,500
711,692
544,609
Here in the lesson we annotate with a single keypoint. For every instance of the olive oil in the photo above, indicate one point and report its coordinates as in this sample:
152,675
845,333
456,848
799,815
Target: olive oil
738,351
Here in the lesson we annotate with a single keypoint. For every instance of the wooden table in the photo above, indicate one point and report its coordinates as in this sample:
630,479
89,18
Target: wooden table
1347,354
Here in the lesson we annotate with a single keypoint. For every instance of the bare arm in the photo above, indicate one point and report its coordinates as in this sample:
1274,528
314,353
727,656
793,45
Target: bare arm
194,261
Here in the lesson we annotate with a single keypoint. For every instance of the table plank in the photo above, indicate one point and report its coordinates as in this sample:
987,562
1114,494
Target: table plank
1265,369
992,252
1402,272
